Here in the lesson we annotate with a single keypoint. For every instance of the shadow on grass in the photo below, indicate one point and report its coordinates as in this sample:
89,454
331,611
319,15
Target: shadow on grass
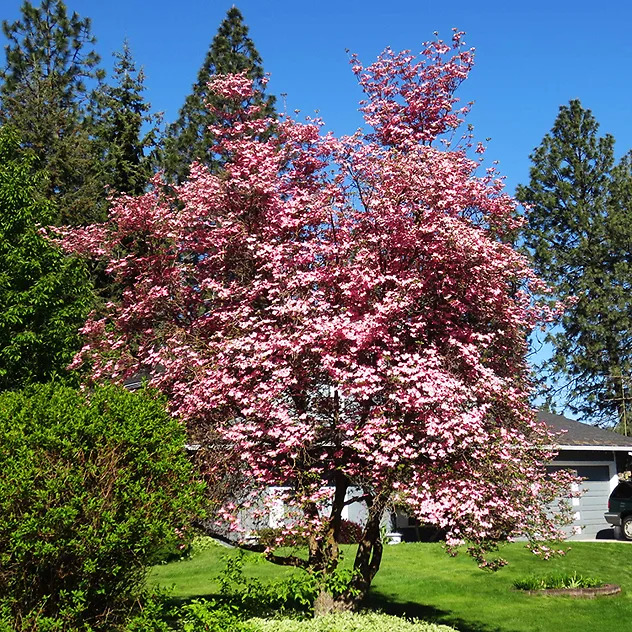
411,609
172,601
248,608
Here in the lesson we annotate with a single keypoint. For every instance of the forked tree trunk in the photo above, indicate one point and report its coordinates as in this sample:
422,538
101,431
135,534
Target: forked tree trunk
324,552
366,564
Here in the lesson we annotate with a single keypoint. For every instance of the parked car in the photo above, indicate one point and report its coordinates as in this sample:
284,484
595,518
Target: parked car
619,513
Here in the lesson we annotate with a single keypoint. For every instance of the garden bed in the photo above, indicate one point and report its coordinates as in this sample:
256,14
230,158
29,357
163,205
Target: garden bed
585,593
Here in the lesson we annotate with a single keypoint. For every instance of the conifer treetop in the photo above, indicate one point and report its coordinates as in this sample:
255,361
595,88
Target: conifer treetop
232,51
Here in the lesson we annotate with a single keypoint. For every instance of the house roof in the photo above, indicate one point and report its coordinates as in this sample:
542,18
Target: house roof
580,436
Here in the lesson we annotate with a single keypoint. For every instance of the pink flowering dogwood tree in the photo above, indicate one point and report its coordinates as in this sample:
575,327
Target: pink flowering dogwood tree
340,318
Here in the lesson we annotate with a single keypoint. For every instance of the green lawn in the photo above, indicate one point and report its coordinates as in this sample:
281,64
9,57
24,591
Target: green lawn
421,580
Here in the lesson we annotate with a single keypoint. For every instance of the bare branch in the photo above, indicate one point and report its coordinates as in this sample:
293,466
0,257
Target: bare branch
287,560
357,499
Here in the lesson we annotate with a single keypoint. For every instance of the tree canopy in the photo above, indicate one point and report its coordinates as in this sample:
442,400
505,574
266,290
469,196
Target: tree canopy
45,89
45,296
126,130
339,319
579,235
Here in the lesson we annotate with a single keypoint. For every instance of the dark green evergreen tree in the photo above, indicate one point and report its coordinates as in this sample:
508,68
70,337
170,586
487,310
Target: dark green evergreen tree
44,295
126,130
579,233
188,139
45,89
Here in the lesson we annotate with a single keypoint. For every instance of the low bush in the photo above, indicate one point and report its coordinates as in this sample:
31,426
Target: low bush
557,580
202,615
92,487
347,622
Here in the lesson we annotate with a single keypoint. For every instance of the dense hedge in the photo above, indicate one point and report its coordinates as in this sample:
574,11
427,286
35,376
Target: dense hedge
347,622
92,486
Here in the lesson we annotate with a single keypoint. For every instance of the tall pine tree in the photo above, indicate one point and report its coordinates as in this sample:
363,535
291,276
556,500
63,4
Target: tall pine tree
579,233
45,88
188,139
127,132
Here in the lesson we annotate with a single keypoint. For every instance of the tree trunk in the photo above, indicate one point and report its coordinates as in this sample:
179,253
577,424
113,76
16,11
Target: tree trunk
326,604
369,554
366,564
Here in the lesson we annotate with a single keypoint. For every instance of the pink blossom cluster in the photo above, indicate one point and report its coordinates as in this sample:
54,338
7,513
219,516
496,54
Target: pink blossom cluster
340,311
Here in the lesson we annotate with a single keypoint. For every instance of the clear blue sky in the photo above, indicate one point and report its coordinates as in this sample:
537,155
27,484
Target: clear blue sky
531,57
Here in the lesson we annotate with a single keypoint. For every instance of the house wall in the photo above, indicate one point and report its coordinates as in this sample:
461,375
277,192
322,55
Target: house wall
270,511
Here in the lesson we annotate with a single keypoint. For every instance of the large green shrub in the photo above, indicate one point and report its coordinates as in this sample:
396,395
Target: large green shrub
92,486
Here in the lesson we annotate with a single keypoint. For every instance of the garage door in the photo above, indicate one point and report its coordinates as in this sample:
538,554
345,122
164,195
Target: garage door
593,502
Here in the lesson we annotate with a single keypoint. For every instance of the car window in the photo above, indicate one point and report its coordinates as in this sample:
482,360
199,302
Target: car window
622,490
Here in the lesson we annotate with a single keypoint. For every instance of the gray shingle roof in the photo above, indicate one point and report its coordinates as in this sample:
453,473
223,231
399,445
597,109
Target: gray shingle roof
582,435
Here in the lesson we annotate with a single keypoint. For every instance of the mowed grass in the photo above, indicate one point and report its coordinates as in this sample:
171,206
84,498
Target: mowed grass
421,580
196,576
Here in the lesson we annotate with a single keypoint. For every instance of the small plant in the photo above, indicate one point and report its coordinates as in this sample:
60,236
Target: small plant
295,594
254,596
201,615
557,581
152,613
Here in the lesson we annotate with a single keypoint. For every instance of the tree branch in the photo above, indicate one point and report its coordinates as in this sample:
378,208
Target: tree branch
287,560
255,547
356,499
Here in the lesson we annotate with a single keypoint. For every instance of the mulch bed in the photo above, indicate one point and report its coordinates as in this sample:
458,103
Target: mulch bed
585,593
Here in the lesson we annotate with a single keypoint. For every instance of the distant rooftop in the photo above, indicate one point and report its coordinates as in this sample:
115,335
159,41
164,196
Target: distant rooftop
579,435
